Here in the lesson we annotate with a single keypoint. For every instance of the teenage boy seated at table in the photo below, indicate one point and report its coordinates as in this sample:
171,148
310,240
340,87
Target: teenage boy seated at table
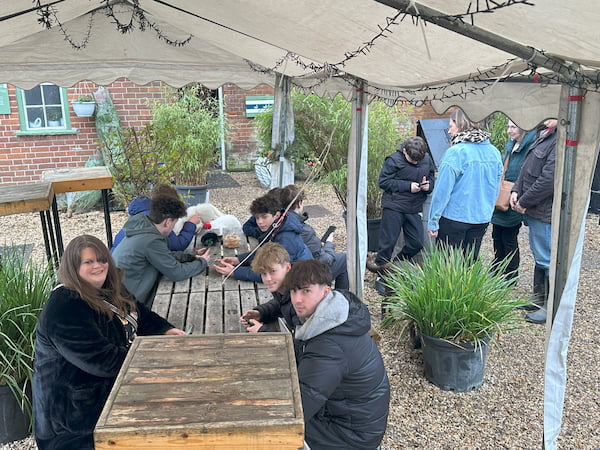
144,254
272,262
177,242
267,224
323,251
344,387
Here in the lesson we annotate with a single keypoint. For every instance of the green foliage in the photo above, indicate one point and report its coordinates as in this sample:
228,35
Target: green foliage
23,290
136,161
188,128
84,99
179,145
497,125
453,297
324,122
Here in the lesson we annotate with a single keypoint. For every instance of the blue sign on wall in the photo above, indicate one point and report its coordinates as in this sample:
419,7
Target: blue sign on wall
257,104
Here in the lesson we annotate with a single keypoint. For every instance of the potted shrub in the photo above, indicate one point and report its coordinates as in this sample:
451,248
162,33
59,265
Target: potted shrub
54,117
188,128
321,122
458,306
84,106
23,290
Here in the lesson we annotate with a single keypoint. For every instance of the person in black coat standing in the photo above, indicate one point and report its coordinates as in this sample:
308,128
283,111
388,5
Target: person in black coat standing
82,338
343,383
406,177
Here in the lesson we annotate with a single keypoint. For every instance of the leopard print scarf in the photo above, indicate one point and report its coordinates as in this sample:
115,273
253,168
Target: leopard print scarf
472,135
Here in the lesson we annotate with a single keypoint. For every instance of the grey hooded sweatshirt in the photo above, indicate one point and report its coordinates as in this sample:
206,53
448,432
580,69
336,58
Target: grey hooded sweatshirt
144,255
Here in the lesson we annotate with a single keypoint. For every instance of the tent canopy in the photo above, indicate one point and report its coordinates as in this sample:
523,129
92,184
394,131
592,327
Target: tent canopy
319,44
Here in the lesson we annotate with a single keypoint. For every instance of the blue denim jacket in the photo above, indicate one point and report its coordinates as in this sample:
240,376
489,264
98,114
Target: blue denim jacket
467,184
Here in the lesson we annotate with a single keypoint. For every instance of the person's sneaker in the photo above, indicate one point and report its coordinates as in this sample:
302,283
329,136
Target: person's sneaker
537,317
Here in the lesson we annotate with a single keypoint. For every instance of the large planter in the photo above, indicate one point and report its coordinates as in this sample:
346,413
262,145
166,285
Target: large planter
453,366
84,109
192,195
14,423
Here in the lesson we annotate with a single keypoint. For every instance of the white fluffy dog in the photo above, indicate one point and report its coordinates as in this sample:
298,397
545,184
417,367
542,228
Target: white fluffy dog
209,213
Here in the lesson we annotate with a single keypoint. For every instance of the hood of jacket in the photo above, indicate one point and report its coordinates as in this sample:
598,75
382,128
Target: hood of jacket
140,224
340,312
139,205
290,223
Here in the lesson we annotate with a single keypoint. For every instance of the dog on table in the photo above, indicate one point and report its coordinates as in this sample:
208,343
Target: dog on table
211,219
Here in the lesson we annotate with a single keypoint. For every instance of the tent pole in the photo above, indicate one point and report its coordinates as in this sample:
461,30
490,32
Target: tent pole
222,122
566,206
356,196
456,25
283,122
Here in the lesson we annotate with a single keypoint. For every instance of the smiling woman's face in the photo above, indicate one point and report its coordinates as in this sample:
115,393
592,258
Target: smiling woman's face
92,270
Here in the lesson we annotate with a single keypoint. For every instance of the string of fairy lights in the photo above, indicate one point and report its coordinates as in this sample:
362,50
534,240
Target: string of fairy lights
132,16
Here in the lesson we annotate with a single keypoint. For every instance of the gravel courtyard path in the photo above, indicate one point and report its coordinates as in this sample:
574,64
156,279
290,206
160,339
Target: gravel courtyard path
506,412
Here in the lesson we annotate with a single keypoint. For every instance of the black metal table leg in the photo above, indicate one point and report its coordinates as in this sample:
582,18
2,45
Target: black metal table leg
59,240
107,224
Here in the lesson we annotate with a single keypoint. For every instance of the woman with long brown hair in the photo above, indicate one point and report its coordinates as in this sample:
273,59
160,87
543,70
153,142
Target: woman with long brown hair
83,335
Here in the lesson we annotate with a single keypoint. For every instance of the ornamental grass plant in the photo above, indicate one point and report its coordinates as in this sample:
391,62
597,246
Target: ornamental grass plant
24,288
452,296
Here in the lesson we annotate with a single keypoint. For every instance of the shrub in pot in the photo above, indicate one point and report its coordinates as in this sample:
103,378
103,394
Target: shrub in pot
23,290
458,305
84,106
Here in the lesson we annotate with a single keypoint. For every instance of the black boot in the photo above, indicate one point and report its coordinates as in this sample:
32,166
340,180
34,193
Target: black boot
539,316
539,289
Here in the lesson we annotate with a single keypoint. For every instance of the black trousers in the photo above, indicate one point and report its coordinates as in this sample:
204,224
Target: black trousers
507,245
392,223
462,235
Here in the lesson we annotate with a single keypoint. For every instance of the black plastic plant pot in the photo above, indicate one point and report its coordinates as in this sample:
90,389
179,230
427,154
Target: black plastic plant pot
453,366
14,423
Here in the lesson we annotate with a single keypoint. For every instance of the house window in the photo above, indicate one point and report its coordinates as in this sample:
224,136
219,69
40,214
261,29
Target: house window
43,110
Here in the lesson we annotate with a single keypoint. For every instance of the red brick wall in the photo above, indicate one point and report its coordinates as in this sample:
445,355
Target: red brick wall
241,144
23,158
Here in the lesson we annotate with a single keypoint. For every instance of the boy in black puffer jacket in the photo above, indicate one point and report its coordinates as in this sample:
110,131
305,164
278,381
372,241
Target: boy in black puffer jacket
344,387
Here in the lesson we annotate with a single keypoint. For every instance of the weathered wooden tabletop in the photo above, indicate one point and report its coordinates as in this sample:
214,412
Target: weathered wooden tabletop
225,391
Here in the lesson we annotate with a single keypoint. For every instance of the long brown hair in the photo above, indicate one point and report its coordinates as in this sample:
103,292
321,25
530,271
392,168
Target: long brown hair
111,291
462,121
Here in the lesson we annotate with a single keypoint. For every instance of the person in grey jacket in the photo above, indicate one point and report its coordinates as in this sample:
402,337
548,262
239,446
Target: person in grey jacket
533,195
343,383
144,253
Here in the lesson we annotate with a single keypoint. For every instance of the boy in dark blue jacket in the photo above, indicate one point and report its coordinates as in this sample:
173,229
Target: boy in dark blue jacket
268,223
406,179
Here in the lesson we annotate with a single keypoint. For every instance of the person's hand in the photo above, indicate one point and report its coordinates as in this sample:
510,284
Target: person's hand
174,332
513,199
204,254
195,219
518,208
432,233
424,184
329,238
223,267
414,187
255,326
233,260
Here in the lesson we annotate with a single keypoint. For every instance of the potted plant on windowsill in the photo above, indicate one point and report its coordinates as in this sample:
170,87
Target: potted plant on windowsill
54,117
23,290
84,106
189,128
458,306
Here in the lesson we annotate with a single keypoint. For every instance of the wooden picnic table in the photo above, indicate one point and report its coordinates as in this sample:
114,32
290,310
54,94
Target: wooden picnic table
34,197
77,179
208,303
217,391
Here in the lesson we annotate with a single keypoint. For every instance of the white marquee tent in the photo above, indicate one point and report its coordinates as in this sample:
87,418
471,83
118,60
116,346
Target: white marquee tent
451,53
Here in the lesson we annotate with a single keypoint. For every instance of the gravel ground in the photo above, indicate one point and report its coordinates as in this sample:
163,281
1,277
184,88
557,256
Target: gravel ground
506,412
